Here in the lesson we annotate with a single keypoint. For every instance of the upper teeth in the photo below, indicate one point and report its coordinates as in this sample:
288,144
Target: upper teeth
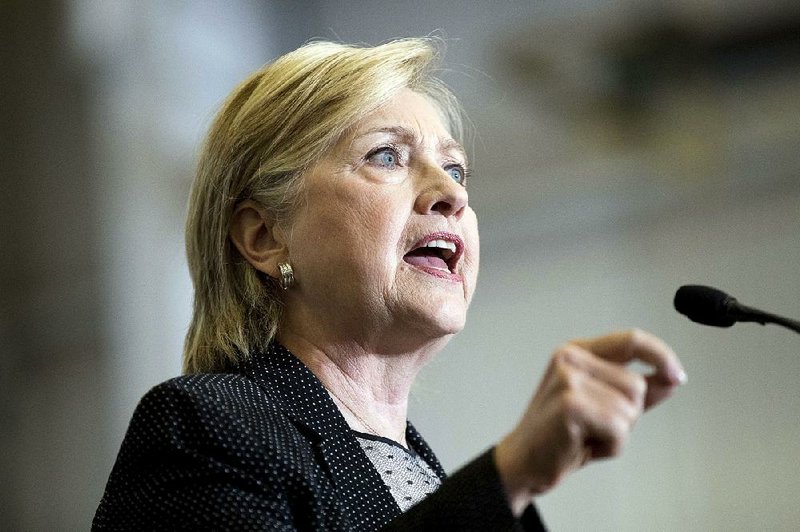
444,244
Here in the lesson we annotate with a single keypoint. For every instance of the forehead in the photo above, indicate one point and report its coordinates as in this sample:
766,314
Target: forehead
411,113
409,109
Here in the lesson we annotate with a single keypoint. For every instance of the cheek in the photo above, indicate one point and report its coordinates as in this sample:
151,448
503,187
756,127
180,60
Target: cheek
360,227
380,229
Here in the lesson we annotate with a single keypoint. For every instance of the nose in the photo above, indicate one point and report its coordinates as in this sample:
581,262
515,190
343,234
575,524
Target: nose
440,194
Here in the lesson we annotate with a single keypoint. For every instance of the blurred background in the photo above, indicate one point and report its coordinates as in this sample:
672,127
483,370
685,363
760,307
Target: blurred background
621,149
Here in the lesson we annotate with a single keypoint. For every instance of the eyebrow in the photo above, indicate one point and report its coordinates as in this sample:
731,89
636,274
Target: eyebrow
407,135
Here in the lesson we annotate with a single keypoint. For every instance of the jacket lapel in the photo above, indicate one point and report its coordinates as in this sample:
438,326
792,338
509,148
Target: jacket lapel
301,396
421,447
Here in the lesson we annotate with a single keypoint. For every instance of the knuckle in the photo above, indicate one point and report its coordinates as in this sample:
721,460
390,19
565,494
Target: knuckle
571,405
615,423
637,337
627,412
565,354
571,381
565,369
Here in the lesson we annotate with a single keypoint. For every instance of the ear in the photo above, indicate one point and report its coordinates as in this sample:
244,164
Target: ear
258,239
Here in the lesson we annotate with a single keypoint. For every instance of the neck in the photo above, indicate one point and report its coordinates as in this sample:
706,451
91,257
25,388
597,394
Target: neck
370,388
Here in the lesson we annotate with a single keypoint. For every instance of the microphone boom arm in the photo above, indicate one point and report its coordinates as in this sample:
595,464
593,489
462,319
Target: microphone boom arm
744,313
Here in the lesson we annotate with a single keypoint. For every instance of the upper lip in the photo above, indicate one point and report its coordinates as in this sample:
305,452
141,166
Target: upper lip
451,238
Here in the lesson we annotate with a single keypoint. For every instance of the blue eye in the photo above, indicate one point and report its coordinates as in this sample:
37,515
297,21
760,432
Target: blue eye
458,173
385,157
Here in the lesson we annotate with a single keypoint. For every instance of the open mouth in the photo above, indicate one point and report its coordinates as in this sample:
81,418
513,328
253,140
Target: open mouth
438,251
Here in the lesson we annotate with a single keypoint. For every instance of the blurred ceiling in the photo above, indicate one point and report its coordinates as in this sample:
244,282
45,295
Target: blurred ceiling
636,109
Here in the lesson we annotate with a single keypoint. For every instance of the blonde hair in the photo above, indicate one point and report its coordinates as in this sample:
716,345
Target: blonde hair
273,127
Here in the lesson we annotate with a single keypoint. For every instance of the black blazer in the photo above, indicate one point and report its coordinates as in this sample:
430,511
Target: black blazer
265,448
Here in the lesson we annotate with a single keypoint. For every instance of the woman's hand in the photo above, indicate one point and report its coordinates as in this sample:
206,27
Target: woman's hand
584,409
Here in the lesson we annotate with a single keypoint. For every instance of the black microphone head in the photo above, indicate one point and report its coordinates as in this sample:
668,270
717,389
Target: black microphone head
706,305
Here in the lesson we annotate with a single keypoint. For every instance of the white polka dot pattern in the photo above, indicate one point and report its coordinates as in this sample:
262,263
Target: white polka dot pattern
265,448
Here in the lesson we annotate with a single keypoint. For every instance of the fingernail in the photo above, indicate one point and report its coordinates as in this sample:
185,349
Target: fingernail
683,378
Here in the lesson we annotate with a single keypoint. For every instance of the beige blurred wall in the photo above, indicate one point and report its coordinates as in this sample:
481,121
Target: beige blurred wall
588,223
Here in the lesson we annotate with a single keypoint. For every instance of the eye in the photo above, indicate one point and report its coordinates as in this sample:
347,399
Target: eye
458,173
386,157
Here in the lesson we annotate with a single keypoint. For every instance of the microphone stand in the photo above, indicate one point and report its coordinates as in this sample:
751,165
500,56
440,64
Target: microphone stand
743,313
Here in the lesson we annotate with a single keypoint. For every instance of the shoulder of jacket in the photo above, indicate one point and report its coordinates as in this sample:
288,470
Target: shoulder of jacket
212,396
217,411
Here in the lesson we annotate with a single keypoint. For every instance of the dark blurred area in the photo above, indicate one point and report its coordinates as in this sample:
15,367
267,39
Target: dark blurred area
53,366
620,151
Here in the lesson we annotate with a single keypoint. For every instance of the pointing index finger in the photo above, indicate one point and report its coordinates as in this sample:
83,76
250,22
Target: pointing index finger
626,346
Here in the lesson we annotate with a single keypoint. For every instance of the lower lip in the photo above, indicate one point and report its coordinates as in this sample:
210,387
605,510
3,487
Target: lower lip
441,274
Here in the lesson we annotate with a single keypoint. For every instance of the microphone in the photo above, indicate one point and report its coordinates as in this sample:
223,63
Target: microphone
709,306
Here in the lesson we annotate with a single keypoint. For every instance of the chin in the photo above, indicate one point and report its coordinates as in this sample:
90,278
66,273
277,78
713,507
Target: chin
444,321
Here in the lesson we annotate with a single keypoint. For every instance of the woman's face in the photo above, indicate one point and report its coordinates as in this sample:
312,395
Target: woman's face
385,245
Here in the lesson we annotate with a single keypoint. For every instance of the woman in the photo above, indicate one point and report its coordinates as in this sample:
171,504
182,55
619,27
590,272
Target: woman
333,253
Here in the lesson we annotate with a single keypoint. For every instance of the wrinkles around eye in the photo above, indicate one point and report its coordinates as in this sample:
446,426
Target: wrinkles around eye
391,157
385,157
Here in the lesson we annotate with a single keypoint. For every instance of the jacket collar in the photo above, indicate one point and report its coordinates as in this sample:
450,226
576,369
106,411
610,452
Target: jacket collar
301,396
